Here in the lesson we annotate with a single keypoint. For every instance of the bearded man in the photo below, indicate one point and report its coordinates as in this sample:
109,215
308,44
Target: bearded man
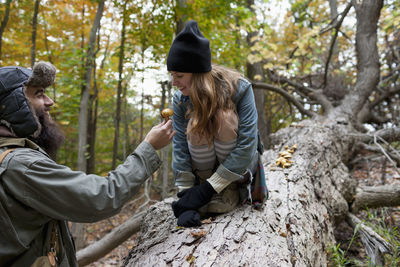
37,195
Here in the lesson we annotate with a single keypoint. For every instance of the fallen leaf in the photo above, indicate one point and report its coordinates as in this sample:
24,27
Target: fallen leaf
198,234
283,234
190,259
206,221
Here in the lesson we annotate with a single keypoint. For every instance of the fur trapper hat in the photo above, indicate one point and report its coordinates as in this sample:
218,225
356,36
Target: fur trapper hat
15,112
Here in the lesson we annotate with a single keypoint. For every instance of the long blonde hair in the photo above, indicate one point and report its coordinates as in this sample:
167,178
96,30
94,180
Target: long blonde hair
211,91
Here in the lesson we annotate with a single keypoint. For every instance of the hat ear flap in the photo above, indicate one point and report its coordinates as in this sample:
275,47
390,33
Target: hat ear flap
16,114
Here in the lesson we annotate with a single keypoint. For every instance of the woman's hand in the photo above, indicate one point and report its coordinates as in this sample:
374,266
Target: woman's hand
193,198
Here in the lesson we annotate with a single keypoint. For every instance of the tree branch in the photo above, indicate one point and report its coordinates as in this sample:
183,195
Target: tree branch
389,135
110,241
378,150
367,13
309,92
286,95
374,244
337,27
376,196
384,96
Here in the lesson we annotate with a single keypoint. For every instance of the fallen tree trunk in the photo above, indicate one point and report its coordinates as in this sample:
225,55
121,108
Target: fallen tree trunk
295,227
376,196
110,241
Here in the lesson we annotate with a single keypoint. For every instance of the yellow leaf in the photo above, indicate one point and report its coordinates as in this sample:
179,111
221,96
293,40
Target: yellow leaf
253,39
258,77
190,259
268,66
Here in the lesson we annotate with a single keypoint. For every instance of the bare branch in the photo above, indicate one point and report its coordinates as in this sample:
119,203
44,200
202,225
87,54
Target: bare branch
391,156
332,25
374,244
387,94
337,27
389,135
335,24
309,92
286,95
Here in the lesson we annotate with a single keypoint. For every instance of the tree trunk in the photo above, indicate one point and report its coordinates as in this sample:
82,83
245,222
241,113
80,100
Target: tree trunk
119,89
166,99
34,31
255,73
295,226
92,126
78,229
4,24
180,21
127,139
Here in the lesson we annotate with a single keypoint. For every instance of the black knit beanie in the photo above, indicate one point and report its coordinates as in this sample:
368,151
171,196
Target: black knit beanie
190,51
15,112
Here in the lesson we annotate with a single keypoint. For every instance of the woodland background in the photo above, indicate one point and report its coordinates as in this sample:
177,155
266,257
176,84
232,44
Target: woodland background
112,81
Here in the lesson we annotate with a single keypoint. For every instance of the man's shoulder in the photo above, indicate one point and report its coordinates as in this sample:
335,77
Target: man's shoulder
22,156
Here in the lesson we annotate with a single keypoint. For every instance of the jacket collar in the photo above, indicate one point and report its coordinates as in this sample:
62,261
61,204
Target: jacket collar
19,142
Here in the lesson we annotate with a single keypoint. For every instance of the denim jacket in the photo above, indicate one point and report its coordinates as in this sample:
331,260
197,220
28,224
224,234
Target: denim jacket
239,160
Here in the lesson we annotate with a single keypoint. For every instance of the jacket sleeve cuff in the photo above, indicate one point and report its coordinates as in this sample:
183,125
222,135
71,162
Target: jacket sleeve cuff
184,179
151,156
227,174
218,183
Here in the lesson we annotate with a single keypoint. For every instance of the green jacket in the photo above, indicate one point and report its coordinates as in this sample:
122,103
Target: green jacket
35,191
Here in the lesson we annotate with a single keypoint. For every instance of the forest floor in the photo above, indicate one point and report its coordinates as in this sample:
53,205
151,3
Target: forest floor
369,171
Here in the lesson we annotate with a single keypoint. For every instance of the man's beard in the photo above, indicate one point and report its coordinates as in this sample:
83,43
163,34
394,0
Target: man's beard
51,137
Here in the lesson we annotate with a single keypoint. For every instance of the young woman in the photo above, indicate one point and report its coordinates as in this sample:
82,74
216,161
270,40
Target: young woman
215,119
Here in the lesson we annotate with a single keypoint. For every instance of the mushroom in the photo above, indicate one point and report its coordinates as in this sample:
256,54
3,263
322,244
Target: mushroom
166,113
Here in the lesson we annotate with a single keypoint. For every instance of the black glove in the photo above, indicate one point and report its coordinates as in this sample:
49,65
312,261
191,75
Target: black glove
193,198
189,218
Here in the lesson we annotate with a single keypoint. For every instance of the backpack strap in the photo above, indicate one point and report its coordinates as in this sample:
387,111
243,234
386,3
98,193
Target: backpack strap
4,154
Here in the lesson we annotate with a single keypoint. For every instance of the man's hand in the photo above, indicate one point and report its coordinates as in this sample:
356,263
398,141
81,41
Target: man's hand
160,135
193,198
